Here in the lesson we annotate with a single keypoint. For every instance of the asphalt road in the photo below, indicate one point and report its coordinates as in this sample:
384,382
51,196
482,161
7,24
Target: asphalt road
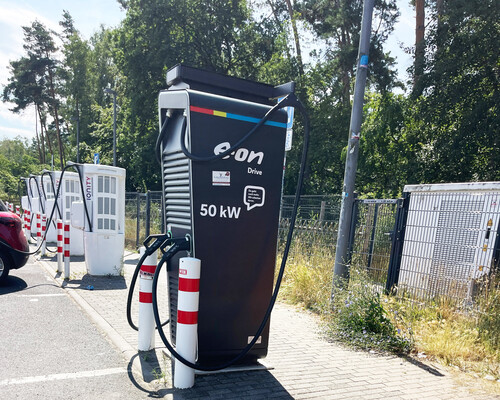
50,350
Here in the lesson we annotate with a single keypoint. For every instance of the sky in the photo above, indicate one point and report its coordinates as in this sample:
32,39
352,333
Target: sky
88,16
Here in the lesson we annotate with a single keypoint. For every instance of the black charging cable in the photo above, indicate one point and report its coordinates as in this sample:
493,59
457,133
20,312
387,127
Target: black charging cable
290,100
70,165
160,242
56,205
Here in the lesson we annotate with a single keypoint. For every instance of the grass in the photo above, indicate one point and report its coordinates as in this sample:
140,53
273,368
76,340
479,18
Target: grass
468,341
361,316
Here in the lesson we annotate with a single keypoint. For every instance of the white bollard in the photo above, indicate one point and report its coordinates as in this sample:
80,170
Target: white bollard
60,242
28,225
38,229
66,249
187,320
18,211
146,328
43,251
25,223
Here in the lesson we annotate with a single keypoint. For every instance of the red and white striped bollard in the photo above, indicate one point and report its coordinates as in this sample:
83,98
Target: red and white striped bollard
25,222
66,249
18,211
43,251
28,224
146,328
38,229
60,242
187,320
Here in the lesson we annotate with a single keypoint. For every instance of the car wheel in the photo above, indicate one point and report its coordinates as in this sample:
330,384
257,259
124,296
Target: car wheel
4,269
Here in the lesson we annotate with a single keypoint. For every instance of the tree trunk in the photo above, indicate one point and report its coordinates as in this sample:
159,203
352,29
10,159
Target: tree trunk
419,46
42,126
42,140
278,22
36,136
346,76
56,117
296,37
440,12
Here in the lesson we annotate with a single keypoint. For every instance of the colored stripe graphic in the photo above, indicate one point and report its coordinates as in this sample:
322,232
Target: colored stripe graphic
235,116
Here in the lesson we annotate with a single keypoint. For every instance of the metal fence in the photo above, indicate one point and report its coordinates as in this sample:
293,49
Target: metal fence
372,231
143,216
438,248
315,234
450,245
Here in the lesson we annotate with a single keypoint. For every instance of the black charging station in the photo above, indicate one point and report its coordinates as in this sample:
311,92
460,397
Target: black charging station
229,207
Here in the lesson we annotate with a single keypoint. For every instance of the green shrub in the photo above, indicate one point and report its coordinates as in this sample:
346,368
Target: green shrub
359,318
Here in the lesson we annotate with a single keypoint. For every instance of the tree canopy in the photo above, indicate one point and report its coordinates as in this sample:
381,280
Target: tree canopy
441,126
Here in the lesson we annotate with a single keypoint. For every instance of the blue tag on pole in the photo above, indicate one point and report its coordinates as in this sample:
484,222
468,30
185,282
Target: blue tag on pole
363,61
96,158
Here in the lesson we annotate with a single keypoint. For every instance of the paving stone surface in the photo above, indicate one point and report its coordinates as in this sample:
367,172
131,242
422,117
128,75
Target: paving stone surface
302,363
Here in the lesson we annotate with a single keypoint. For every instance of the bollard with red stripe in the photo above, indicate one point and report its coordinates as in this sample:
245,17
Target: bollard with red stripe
146,326
28,224
18,211
43,251
187,320
66,249
38,229
25,222
60,242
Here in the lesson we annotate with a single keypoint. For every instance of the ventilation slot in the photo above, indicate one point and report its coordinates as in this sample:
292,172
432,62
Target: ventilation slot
177,193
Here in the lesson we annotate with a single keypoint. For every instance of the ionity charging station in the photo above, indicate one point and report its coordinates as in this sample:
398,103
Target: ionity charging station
222,150
101,216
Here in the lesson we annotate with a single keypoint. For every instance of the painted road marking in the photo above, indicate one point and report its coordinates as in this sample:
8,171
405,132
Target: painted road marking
59,377
42,295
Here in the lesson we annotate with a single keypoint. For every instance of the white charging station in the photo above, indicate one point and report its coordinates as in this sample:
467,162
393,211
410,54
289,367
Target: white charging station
104,237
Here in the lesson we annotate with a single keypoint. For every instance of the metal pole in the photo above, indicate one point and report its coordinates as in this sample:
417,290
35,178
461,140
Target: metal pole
148,213
341,265
138,214
111,91
78,140
114,129
372,237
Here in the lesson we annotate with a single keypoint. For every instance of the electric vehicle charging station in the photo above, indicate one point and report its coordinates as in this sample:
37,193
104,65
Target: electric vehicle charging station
101,216
68,193
229,207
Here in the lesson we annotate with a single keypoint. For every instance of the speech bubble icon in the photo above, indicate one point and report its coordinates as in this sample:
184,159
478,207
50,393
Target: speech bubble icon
254,196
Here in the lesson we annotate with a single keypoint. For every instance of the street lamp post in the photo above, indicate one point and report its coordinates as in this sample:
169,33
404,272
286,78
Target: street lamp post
111,91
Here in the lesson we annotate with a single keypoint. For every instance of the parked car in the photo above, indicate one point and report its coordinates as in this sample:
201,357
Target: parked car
13,243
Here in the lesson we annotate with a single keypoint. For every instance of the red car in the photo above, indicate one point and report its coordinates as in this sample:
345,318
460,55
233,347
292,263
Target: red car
13,243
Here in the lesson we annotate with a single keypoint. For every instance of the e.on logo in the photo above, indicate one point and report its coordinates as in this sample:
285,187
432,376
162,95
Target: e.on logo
241,154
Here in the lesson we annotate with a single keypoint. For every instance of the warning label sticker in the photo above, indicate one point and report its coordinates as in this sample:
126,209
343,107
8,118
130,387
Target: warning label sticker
221,178
146,275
